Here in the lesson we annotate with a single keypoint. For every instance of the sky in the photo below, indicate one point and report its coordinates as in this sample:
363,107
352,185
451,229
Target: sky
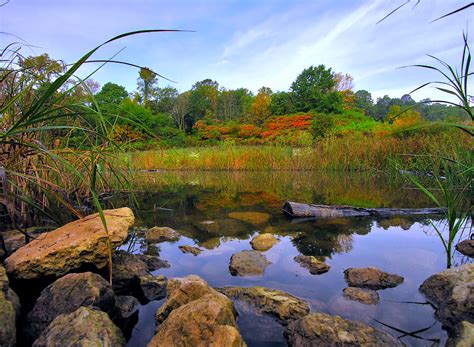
246,43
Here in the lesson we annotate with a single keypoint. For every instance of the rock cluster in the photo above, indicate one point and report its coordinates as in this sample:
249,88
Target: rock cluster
315,266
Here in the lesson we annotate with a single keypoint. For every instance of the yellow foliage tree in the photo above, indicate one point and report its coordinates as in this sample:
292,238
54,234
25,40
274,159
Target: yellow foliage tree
260,109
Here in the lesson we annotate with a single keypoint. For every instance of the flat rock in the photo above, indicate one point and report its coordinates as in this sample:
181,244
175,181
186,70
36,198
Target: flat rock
363,295
452,291
207,321
285,307
466,248
315,266
84,327
190,249
254,218
180,291
79,244
8,314
153,287
66,295
319,329
371,278
263,242
126,271
248,263
161,234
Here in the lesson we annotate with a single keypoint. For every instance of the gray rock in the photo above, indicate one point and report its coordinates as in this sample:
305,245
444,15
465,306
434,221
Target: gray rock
66,295
161,234
248,263
125,306
452,291
84,327
319,329
466,248
127,269
371,278
285,307
153,287
153,262
314,266
363,295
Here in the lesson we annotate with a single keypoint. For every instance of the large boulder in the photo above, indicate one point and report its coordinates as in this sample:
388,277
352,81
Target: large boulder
285,307
371,278
466,248
452,291
263,242
9,311
76,245
315,266
319,329
248,263
207,321
84,327
66,295
180,291
363,295
254,218
161,234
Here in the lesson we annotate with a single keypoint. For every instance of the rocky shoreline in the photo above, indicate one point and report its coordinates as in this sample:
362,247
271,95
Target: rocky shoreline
74,303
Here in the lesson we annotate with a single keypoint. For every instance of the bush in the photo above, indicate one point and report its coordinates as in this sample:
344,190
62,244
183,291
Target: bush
322,125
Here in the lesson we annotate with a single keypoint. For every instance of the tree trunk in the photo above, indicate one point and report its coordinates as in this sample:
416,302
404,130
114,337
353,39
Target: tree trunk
296,209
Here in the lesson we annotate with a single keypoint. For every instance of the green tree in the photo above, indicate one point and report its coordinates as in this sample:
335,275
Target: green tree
282,103
147,81
110,97
315,89
364,101
203,100
165,99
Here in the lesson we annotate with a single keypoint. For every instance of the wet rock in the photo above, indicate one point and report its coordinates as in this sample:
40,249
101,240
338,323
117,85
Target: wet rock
285,307
254,218
8,314
464,336
127,269
161,234
71,247
207,321
314,266
125,306
263,242
66,295
153,287
229,227
190,249
83,328
248,263
466,248
365,296
371,278
153,262
319,329
181,291
452,291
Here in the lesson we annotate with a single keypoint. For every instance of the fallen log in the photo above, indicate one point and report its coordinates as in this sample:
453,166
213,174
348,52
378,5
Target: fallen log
296,209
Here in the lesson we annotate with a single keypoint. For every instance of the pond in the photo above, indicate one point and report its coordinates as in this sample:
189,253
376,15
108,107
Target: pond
408,247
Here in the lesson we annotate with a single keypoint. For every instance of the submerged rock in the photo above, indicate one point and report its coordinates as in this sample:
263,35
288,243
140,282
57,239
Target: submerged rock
71,247
363,295
371,278
195,314
190,249
207,321
452,291
161,234
127,269
9,311
248,263
466,248
228,226
254,218
319,329
126,313
66,295
263,242
285,307
181,291
153,287
315,266
83,328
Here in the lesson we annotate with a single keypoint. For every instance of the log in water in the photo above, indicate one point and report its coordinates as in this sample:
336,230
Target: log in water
296,209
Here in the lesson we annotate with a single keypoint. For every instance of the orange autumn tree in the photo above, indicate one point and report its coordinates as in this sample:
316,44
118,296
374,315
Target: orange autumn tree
260,109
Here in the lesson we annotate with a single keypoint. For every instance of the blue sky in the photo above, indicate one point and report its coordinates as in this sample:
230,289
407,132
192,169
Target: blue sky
247,43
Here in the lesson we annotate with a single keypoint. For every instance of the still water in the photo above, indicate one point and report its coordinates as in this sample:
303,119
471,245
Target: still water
404,246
